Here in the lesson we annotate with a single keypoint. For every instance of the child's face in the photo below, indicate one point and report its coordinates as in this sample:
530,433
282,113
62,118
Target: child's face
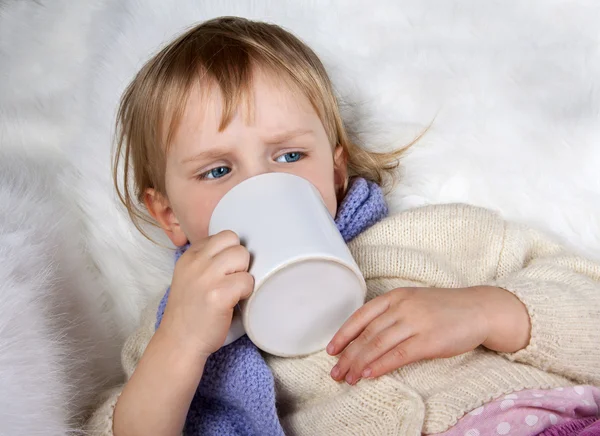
284,135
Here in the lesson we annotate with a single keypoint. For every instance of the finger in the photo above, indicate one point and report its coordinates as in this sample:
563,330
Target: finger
246,284
353,351
407,352
230,261
381,344
215,244
230,290
357,323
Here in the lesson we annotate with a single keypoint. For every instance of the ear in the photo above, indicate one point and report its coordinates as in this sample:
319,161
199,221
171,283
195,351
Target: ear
340,169
160,209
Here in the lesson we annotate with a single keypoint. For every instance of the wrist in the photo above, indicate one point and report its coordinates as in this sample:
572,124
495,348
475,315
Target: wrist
180,351
507,319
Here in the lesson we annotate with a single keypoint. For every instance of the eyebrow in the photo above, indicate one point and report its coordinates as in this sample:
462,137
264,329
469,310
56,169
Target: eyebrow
286,136
278,138
207,155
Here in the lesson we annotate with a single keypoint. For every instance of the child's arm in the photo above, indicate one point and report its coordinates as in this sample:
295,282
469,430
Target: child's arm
561,292
165,368
161,380
540,305
157,397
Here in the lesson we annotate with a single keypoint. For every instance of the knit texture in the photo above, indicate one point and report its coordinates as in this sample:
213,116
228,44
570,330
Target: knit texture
445,246
363,206
236,395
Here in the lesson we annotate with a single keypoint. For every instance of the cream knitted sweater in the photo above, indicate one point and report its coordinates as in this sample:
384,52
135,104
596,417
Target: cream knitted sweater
439,246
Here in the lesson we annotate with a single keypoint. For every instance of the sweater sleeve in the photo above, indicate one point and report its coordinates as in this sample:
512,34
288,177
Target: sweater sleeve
101,420
562,294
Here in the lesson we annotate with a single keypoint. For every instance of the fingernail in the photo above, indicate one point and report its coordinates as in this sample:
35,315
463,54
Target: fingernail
367,373
335,372
349,379
330,348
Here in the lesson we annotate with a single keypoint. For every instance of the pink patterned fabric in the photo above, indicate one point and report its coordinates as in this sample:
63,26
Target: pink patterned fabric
577,427
529,412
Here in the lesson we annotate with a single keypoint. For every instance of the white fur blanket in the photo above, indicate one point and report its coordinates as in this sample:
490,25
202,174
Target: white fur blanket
57,347
514,88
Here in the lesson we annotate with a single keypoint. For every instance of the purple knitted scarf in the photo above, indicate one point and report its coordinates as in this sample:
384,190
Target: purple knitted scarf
236,396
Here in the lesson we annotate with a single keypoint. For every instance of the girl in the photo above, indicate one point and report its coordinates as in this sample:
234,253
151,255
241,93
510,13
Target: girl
463,309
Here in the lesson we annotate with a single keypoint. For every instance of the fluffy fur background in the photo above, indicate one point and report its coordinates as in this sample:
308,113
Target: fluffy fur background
57,347
512,88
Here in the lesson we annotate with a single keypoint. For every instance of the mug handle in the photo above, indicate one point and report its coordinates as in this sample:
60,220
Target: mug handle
236,330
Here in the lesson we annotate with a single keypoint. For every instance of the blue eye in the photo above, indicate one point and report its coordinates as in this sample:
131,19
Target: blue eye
216,173
291,157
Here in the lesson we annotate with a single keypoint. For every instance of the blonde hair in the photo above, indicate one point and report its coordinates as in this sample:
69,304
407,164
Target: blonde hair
222,51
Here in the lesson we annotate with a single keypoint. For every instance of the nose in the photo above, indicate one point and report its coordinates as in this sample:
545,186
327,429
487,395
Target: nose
257,168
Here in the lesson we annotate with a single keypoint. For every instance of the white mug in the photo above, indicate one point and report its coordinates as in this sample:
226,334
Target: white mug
306,282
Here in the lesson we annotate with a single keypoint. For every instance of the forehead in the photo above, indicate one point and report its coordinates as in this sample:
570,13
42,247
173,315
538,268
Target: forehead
268,104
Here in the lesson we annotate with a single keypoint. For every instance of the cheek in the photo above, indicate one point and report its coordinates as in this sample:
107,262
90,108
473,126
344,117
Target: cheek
325,184
322,176
331,201
194,210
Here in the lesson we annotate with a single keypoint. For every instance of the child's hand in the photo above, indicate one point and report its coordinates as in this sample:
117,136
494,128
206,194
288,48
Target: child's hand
410,324
209,280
